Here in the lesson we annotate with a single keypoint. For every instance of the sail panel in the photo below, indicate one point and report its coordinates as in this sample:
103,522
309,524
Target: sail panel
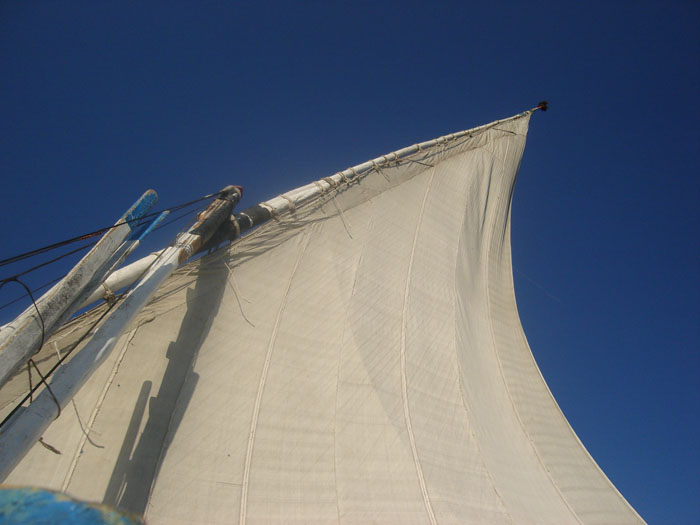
359,359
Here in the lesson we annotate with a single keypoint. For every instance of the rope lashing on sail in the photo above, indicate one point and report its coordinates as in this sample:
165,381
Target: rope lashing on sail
342,216
333,183
108,294
187,250
274,212
376,168
396,157
232,284
291,201
292,204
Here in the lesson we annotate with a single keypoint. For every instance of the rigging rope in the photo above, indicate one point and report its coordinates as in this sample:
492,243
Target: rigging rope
46,263
65,356
37,289
62,358
55,280
31,296
53,246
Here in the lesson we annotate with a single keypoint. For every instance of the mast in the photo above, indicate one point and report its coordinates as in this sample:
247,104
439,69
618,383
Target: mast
23,337
25,427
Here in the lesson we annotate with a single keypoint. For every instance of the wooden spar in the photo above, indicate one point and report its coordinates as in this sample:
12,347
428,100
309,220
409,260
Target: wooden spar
277,206
96,284
229,229
122,278
118,279
23,337
131,244
23,430
258,214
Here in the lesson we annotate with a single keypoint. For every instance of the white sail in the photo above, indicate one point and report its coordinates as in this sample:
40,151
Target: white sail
359,359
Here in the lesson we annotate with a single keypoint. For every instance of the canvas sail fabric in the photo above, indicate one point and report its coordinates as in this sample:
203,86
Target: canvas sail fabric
358,360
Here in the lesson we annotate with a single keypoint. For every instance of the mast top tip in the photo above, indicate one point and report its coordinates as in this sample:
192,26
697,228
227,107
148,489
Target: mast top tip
543,105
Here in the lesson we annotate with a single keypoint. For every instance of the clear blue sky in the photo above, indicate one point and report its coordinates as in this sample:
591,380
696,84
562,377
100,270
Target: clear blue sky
102,100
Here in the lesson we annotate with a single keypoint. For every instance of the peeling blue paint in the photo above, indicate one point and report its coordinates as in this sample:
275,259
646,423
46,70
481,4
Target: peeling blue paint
37,506
140,233
140,207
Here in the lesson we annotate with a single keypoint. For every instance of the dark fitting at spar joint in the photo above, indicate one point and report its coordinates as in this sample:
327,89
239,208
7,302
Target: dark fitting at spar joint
227,225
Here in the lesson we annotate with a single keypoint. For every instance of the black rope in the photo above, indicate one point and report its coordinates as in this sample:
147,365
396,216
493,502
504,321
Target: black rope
49,247
65,356
32,389
51,261
43,380
54,281
31,296
28,396
84,247
174,219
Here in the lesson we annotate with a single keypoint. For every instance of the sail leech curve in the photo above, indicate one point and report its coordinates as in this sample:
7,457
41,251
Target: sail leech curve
404,382
504,217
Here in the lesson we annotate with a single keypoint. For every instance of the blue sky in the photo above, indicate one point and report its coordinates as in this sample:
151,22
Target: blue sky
102,100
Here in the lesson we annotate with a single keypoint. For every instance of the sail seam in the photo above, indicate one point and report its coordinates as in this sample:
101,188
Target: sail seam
370,227
498,357
93,416
263,379
460,385
404,383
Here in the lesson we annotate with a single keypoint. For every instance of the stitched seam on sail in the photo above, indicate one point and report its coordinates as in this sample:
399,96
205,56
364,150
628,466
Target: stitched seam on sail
460,375
263,379
370,228
500,365
95,411
404,385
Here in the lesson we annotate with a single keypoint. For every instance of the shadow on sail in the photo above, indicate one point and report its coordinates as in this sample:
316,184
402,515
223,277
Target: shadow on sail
134,473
